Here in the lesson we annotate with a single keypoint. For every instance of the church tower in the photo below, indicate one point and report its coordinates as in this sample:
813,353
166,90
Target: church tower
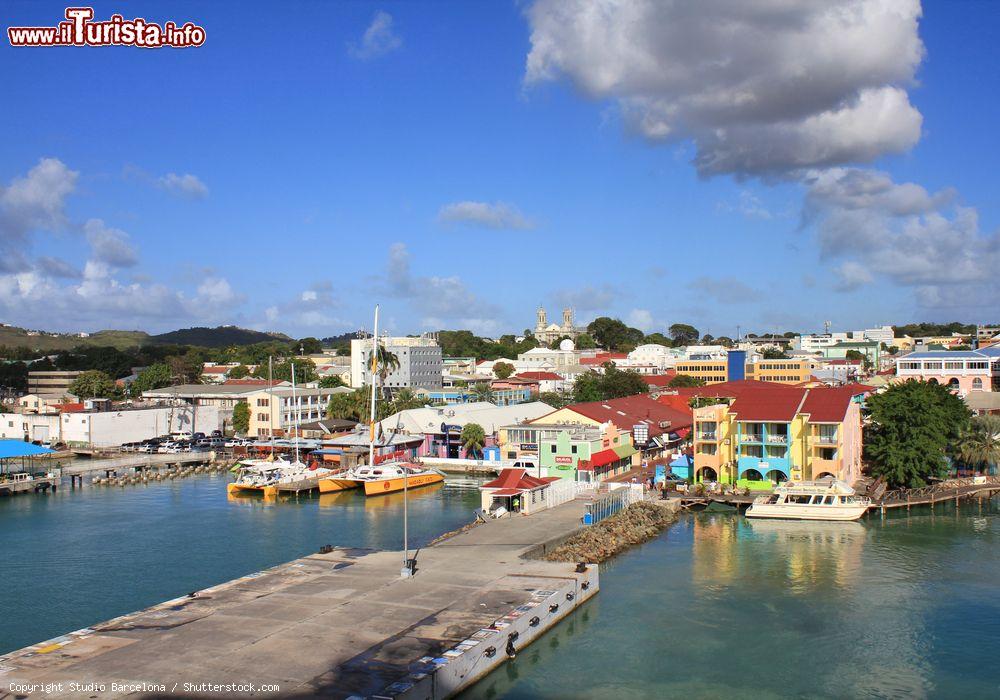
542,320
568,320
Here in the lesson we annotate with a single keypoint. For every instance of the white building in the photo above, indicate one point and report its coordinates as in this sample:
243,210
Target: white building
544,359
282,409
420,362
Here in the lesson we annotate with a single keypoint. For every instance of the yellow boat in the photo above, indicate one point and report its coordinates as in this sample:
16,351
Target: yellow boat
337,483
392,477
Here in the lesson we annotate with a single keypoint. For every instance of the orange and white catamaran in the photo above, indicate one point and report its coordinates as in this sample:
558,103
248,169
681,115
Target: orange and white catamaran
390,476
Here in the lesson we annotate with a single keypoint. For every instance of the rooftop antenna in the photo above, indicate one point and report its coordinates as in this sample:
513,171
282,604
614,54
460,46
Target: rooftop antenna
826,327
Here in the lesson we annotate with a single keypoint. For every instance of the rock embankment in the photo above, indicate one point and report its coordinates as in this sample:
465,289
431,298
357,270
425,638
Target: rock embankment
634,525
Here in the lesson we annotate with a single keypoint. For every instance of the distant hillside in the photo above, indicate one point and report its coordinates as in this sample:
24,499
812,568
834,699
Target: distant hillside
220,337
46,342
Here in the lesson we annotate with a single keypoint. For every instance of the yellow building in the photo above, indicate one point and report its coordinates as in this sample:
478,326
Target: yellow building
280,410
708,371
783,371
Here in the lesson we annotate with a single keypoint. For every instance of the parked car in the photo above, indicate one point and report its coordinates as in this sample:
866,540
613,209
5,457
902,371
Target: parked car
180,435
166,447
217,433
197,436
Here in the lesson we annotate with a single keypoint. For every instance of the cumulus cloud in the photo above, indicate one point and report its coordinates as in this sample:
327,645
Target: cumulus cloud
762,88
441,301
30,203
588,298
642,319
56,267
379,38
913,238
725,290
186,185
497,215
109,245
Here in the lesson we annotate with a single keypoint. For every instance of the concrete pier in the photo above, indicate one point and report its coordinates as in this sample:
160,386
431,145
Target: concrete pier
339,624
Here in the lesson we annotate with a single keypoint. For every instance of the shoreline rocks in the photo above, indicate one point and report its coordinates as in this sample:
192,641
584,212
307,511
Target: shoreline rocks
634,525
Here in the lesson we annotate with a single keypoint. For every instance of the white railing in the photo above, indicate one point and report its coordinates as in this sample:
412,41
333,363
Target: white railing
559,492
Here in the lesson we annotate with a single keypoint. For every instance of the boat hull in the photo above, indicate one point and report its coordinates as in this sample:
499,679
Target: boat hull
233,487
383,486
806,512
334,485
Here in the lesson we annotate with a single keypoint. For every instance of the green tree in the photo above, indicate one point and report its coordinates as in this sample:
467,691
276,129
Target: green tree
241,418
352,406
473,439
309,346
683,333
685,380
979,445
584,341
282,372
503,370
153,377
657,339
911,428
613,383
481,391
553,399
858,356
185,369
14,376
775,354
724,341
404,400
331,382
386,361
92,384
239,372
612,334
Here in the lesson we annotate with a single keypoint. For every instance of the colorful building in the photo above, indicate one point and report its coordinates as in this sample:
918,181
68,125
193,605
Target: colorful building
775,433
569,451
962,371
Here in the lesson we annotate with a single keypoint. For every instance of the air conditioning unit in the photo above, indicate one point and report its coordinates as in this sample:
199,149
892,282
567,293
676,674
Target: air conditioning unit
665,423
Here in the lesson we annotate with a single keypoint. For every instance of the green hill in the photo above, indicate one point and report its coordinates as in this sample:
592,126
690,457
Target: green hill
46,342
220,337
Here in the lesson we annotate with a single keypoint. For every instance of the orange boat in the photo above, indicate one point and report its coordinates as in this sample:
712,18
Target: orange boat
338,482
392,484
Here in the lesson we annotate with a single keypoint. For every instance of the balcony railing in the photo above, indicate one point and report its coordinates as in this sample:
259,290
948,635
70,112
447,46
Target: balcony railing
824,439
708,437
777,439
751,437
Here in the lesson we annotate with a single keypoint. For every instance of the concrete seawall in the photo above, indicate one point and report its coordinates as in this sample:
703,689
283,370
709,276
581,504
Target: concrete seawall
338,624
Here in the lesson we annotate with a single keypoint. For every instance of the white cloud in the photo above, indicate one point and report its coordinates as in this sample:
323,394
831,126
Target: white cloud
906,235
441,301
56,267
588,298
186,185
760,88
641,319
497,215
378,39
109,245
309,295
33,202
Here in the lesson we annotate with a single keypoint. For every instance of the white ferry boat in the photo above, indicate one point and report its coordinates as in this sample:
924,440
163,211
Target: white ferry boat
811,500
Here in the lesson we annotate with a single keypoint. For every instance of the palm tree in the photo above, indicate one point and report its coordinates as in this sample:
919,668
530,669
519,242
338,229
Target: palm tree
979,446
386,362
482,392
473,439
406,399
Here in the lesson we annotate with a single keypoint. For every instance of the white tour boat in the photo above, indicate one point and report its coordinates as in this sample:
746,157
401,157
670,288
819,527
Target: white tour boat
811,500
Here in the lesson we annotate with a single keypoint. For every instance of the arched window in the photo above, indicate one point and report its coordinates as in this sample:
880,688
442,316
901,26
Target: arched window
977,383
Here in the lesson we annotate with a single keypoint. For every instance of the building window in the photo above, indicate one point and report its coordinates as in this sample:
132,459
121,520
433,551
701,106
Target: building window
977,383
553,448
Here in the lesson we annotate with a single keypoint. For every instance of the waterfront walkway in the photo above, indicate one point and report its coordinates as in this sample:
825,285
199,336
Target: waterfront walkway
337,624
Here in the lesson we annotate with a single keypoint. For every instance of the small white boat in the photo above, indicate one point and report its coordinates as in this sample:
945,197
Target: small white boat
811,500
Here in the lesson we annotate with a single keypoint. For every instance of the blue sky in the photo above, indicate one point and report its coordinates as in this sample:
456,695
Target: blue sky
468,161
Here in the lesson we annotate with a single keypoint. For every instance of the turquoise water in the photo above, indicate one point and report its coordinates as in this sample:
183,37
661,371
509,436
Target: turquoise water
719,607
77,557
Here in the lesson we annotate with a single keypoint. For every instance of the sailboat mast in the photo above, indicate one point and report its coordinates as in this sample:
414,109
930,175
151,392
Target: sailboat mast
298,414
270,400
371,419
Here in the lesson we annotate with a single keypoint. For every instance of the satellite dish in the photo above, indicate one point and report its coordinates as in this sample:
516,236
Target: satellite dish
567,345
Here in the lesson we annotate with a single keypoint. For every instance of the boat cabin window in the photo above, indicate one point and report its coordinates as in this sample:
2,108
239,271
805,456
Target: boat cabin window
799,498
773,498
829,500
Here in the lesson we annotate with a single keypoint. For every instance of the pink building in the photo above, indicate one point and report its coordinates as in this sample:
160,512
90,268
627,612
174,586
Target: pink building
964,371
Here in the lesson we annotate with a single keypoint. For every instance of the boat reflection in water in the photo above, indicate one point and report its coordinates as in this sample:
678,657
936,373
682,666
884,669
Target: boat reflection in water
802,554
389,501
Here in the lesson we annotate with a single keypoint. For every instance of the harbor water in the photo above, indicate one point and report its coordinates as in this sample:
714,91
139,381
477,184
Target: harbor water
81,556
722,607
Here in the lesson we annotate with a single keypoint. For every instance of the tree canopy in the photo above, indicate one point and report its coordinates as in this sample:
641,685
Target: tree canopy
241,417
612,334
613,383
93,384
979,446
502,370
683,333
153,377
685,380
473,439
775,354
912,425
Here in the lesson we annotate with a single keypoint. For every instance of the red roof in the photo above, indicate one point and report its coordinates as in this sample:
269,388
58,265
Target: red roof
830,404
778,403
518,480
659,380
248,382
539,376
676,402
69,407
215,370
602,357
632,410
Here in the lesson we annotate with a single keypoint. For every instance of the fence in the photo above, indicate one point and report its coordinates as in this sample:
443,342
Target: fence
564,491
616,500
